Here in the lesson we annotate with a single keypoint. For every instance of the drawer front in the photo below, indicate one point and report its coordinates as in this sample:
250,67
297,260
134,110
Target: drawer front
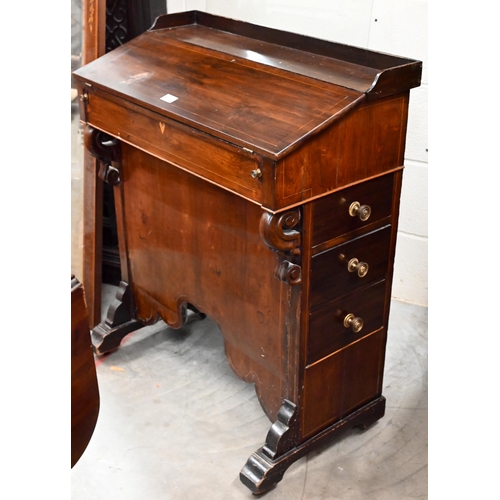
176,143
327,326
343,382
331,214
349,266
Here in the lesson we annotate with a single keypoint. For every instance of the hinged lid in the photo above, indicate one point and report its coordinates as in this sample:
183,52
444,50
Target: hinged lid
261,89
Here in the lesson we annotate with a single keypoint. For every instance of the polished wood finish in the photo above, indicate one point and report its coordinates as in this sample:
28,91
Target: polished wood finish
327,330
94,43
351,377
217,262
250,106
357,68
84,389
266,122
174,142
92,236
125,19
331,217
94,30
261,472
257,176
330,274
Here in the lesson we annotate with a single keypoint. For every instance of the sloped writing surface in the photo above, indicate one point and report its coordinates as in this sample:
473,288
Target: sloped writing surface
227,96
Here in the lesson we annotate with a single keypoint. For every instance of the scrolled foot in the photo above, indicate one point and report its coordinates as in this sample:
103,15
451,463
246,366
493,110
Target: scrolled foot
260,475
266,467
106,339
108,335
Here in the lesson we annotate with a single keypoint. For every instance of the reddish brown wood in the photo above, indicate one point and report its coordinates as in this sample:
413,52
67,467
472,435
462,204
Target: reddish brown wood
336,158
353,67
351,377
327,332
279,232
268,117
94,33
84,388
217,261
247,199
331,213
331,276
94,30
169,140
92,237
383,149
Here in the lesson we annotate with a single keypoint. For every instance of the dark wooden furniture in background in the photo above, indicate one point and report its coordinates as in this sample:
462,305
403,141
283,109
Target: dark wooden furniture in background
125,19
94,35
106,25
84,388
257,177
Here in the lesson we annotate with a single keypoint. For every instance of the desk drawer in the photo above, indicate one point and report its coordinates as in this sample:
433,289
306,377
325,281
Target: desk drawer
327,330
343,382
331,217
225,165
336,272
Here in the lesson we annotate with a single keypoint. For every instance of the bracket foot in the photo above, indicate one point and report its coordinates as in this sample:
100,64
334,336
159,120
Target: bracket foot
261,472
107,335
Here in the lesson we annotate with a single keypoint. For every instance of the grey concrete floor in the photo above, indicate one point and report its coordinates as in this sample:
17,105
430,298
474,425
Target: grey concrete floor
176,423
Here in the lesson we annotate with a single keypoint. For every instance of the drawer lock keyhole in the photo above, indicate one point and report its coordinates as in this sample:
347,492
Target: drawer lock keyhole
354,323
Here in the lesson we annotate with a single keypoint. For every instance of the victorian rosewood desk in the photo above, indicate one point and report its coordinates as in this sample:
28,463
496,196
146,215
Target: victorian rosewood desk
257,176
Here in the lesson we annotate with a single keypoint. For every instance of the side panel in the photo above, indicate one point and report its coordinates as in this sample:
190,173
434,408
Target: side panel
189,241
340,156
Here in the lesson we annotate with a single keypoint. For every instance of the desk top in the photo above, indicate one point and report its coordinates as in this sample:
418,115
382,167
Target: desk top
258,88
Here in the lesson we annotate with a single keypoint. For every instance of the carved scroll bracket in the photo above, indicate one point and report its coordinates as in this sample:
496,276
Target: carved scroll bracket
268,464
107,150
283,433
280,234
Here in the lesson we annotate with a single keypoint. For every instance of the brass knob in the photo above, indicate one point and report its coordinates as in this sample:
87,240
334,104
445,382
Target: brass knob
84,97
360,267
256,173
363,212
354,323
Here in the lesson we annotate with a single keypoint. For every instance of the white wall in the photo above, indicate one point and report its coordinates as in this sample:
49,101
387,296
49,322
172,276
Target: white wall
391,26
